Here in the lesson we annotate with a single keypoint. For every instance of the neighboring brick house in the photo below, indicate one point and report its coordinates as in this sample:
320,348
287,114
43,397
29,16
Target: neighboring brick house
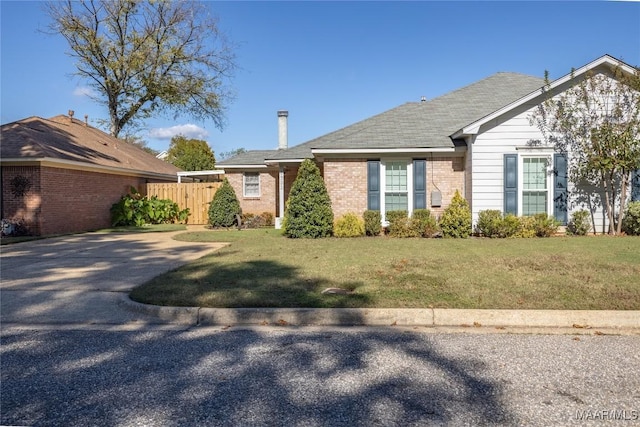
61,175
475,140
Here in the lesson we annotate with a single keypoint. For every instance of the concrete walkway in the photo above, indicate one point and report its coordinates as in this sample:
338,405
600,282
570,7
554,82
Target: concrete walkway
85,280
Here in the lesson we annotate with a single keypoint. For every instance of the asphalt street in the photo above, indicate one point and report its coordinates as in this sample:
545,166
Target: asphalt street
283,376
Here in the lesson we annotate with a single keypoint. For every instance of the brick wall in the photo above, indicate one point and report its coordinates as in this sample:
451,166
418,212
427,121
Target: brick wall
447,173
27,207
346,182
65,200
267,202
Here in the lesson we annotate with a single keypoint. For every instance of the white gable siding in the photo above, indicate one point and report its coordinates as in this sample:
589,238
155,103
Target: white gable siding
491,144
489,149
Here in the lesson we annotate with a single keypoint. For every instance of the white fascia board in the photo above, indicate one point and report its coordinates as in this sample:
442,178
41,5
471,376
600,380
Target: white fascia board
381,150
201,173
473,128
75,165
242,166
277,161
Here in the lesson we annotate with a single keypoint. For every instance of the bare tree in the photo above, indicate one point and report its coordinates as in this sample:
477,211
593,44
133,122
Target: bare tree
142,57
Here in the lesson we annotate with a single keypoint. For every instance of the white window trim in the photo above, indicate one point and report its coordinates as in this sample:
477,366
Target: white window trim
383,186
244,185
549,156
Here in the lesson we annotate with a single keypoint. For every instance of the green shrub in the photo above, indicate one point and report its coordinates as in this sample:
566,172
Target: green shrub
424,223
134,209
631,219
545,225
393,216
456,218
349,225
580,223
224,207
523,227
309,212
403,227
491,224
372,223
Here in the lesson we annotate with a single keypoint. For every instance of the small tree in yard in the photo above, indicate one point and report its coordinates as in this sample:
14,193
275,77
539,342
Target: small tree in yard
224,206
456,218
597,122
309,212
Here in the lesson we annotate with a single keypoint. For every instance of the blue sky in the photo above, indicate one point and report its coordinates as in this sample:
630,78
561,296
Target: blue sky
332,63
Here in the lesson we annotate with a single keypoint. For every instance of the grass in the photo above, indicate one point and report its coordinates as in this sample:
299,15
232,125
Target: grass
260,268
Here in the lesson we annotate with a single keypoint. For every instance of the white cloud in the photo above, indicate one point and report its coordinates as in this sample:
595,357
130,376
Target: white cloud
188,130
83,91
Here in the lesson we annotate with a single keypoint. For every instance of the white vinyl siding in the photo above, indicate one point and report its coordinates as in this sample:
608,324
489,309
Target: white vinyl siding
251,184
510,136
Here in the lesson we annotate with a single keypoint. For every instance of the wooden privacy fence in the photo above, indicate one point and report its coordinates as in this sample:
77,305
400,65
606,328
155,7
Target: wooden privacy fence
193,195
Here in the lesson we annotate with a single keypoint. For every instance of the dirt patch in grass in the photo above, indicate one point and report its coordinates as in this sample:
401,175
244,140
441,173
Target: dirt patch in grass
260,268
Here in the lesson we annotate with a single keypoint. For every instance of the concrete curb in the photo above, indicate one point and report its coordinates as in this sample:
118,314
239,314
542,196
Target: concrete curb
576,319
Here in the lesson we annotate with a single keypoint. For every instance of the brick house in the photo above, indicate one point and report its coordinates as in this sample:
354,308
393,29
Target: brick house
475,140
60,175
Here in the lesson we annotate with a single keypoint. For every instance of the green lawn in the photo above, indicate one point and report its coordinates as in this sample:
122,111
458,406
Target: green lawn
260,268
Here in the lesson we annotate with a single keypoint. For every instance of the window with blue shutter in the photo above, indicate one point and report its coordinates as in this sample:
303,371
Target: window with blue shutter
635,186
511,184
419,184
373,185
560,194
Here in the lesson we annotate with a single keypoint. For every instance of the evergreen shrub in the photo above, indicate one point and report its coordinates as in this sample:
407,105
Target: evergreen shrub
580,223
424,222
309,212
372,222
545,225
224,207
456,218
631,219
349,225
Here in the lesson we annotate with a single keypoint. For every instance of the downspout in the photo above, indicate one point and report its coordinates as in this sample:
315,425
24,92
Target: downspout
280,198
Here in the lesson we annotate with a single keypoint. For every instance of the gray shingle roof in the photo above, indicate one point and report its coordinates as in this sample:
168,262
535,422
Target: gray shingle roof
423,124
252,157
414,124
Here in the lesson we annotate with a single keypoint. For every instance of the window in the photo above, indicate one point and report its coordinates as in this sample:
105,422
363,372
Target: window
396,191
251,184
535,187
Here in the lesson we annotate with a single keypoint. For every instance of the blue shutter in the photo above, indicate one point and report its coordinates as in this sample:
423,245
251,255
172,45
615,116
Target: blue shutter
635,185
560,194
511,184
373,185
419,184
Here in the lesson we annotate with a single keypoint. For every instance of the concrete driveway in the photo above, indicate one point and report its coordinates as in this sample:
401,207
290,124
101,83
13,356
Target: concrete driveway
81,279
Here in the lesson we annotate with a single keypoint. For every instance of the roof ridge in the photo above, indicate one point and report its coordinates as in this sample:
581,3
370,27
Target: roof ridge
477,82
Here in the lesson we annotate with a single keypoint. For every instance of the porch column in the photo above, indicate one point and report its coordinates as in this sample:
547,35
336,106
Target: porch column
280,198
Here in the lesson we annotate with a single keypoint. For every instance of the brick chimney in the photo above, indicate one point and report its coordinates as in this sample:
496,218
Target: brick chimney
283,142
